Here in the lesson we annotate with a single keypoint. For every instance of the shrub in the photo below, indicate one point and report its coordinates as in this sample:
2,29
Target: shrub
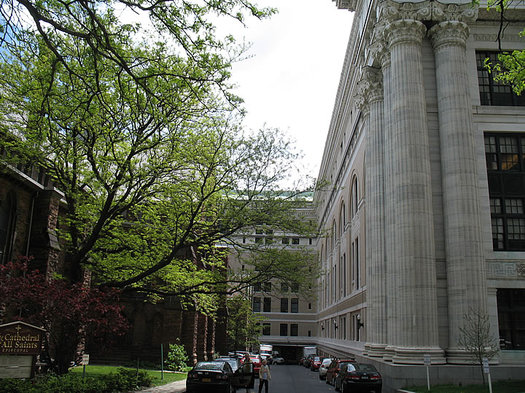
177,358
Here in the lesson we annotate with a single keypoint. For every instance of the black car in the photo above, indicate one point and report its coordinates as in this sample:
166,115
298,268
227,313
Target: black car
217,376
359,377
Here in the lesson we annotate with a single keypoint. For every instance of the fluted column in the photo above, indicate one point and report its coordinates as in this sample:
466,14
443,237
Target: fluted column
464,251
414,324
372,107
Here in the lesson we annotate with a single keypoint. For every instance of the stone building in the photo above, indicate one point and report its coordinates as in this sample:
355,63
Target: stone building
425,209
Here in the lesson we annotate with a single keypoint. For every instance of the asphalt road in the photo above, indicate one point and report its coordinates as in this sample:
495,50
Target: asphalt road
293,379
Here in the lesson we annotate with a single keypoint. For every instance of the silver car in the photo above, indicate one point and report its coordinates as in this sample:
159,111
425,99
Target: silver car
324,367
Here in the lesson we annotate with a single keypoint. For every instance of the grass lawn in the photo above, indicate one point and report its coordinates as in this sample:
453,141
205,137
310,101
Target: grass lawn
95,370
498,387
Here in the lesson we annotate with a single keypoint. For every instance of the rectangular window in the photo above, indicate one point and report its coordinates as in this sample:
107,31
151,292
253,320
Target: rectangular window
267,305
267,286
285,240
257,287
283,329
511,318
256,304
294,329
284,304
492,92
295,240
266,330
294,307
284,287
506,177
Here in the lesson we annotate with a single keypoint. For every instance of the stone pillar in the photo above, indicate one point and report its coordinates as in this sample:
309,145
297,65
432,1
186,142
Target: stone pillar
466,272
372,107
414,323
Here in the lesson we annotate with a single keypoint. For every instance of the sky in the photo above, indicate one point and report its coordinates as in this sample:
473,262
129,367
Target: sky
291,80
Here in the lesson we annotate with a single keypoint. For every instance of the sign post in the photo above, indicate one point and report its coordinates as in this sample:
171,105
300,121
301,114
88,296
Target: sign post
486,370
428,361
85,362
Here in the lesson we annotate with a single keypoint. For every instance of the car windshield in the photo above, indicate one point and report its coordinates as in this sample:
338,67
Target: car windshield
208,366
326,362
317,359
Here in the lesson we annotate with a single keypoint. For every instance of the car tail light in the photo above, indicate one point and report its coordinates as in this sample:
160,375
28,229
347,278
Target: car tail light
192,375
353,376
222,376
375,377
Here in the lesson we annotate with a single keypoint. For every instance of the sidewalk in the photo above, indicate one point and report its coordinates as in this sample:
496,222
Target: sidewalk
173,387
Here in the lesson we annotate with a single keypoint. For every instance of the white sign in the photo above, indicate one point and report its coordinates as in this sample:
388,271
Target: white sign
85,359
485,363
427,359
15,366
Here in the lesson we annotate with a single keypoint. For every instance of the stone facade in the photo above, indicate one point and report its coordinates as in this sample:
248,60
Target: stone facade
409,246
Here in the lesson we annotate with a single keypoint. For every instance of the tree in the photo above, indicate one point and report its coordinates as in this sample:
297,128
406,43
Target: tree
59,307
244,327
477,339
511,66
146,143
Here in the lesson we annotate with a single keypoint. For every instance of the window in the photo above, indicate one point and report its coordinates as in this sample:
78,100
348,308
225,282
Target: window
267,305
294,329
284,304
354,198
490,91
295,287
284,287
266,330
505,159
285,240
256,304
294,306
7,227
267,286
257,287
283,329
511,318
295,240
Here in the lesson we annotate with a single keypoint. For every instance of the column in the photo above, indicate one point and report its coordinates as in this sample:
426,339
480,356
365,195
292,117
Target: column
375,220
413,328
466,272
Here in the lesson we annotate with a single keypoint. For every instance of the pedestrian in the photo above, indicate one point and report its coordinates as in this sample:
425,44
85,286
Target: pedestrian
248,369
264,376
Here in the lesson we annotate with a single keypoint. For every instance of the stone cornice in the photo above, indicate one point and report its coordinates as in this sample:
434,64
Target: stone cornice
427,11
350,5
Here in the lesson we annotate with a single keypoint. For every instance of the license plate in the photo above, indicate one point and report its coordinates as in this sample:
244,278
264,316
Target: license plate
364,377
206,379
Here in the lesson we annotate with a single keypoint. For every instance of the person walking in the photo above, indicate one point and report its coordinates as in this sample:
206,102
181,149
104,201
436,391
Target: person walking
264,376
248,369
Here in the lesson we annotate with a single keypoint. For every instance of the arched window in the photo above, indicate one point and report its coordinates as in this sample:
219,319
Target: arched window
334,234
342,219
7,227
354,197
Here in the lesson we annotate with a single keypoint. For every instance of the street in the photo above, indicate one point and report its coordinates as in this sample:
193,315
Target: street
294,379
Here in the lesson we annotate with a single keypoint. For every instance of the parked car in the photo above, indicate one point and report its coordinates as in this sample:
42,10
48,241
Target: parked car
333,369
324,367
278,360
359,377
308,360
315,363
210,376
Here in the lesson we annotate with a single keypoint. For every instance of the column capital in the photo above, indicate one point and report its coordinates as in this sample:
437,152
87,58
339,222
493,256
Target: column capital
379,45
404,31
449,33
369,88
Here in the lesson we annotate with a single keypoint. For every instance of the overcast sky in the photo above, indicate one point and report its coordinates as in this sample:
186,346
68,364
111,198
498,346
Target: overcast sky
291,81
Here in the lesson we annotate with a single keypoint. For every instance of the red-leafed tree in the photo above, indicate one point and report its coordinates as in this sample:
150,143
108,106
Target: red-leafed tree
60,307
